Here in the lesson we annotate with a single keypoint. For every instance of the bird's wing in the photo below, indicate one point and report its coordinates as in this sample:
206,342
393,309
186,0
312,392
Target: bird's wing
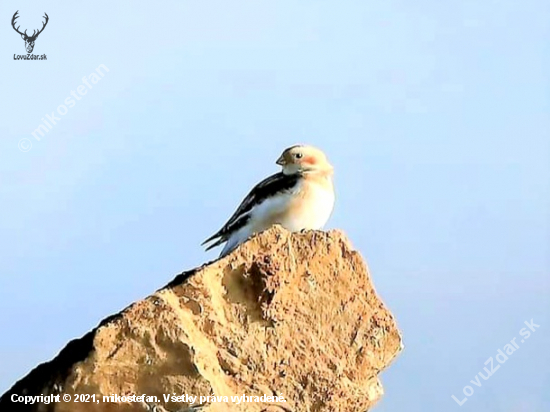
271,186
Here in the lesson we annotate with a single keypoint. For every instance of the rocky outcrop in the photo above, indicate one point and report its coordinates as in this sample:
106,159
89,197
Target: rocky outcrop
294,315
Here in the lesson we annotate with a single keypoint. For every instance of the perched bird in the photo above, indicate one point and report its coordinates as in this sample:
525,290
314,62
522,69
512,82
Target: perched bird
300,196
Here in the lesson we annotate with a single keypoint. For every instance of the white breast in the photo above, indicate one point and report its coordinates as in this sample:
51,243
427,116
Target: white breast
318,203
308,206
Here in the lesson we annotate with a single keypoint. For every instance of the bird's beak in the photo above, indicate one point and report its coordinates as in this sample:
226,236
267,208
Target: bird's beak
281,161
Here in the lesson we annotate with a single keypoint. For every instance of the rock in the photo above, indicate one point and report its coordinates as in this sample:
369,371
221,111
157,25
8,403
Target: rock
294,315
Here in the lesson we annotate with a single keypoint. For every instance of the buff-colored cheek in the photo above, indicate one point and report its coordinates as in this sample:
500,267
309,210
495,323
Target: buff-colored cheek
311,160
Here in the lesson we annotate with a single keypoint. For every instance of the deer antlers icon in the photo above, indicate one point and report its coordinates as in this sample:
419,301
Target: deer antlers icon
29,40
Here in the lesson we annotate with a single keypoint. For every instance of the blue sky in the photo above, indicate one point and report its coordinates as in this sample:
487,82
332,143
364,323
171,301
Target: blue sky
436,116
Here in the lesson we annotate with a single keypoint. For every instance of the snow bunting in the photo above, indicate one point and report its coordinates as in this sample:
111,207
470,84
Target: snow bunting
299,197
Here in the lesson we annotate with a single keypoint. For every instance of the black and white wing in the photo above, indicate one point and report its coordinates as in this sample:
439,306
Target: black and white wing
267,188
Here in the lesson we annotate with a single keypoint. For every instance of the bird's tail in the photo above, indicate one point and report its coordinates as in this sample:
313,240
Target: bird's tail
213,245
218,237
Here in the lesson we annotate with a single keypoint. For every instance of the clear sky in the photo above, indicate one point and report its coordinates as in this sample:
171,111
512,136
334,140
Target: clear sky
436,115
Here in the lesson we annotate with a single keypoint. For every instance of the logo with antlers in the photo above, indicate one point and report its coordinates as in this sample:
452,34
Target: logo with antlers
29,40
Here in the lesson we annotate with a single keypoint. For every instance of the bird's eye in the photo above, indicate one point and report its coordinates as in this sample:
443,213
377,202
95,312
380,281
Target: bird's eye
298,155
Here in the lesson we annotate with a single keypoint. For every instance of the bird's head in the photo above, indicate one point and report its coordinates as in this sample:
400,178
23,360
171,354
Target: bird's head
300,158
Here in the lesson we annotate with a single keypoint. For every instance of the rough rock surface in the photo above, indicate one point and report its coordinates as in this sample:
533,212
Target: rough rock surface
290,314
